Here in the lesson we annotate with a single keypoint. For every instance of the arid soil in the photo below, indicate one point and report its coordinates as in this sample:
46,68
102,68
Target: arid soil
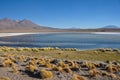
18,66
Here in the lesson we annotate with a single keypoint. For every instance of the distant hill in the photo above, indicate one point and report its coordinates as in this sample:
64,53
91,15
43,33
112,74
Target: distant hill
111,27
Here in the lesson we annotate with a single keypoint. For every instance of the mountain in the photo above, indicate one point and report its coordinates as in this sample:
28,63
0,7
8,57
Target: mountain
111,27
8,25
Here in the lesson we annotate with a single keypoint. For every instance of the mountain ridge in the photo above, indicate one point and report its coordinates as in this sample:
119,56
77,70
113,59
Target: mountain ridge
25,25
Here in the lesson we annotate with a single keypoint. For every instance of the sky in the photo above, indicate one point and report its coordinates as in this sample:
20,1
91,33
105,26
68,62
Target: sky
63,13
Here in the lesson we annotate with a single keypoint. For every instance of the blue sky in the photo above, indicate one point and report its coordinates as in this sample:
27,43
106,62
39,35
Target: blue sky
64,13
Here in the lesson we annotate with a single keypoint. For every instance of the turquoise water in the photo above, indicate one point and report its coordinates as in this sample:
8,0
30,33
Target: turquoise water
63,40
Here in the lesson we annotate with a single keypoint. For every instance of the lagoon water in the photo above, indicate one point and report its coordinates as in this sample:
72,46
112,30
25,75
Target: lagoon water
63,40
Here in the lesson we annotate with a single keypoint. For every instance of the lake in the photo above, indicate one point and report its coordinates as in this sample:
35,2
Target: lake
63,40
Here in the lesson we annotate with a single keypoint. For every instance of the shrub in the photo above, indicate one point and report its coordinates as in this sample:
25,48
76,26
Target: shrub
31,68
12,59
75,67
118,68
69,49
68,70
112,75
84,64
15,70
62,64
90,66
56,48
94,73
108,49
96,64
19,49
35,49
104,73
5,55
102,50
27,49
109,62
55,68
96,52
71,63
4,78
115,49
21,58
45,74
32,62
109,68
41,62
48,65
8,63
77,77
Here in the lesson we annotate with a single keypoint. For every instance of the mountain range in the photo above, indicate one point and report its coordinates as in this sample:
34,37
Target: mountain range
8,25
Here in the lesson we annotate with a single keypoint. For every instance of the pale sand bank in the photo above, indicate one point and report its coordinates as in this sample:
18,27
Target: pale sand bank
14,34
105,32
17,34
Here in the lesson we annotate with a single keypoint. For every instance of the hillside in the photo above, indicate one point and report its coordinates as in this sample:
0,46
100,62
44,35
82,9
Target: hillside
8,25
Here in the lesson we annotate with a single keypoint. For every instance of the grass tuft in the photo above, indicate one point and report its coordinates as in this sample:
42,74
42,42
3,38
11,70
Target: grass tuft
77,77
45,74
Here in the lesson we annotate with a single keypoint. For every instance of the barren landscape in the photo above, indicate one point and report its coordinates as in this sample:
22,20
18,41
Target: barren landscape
59,64
59,39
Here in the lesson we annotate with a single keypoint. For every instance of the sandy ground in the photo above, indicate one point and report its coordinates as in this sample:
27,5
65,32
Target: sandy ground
14,34
57,75
105,32
26,64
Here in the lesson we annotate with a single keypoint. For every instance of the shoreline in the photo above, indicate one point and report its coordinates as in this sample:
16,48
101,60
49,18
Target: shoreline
105,32
17,34
13,34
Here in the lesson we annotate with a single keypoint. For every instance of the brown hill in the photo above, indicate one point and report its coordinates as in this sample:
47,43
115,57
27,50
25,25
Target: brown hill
8,25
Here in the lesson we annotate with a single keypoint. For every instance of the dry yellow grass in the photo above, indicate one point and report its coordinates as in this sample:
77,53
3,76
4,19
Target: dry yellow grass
57,68
104,73
62,64
79,55
94,73
45,74
8,63
21,58
68,70
112,75
77,77
4,78
48,65
47,60
31,68
112,68
15,70
75,67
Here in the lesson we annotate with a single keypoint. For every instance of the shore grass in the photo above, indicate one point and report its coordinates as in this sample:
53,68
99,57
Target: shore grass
66,53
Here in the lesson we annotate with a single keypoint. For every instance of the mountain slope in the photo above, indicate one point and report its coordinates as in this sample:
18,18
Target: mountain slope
8,25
